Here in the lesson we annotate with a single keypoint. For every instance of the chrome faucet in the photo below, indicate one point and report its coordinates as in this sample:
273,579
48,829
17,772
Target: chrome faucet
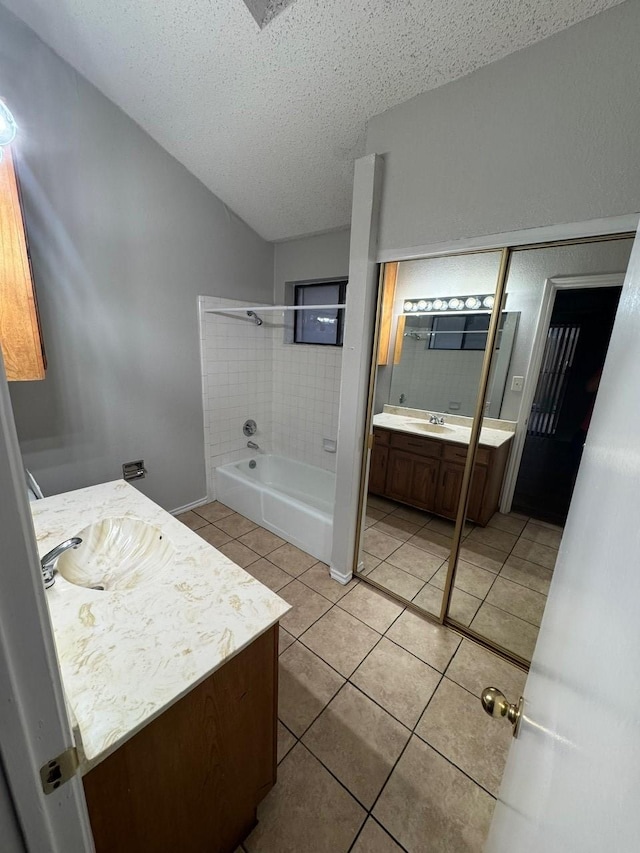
48,562
253,446
434,419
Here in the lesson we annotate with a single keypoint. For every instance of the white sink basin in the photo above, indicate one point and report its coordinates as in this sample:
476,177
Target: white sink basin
116,554
437,429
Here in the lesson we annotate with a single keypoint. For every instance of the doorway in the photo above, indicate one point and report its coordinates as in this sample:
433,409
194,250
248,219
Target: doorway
576,347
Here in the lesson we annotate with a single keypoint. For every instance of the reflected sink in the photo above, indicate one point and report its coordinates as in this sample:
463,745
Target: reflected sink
425,426
116,554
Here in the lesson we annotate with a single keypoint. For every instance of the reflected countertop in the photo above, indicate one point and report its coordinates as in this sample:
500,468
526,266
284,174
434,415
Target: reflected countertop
127,655
456,429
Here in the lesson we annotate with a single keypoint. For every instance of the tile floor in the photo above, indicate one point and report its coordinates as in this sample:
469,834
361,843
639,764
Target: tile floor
503,575
382,742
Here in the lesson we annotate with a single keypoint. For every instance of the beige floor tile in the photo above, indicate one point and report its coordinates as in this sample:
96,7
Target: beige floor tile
192,520
519,600
306,684
456,725
261,541
268,574
463,606
542,535
432,643
358,742
286,741
213,535
308,810
446,527
475,668
213,511
396,581
383,504
308,605
372,515
369,562
527,573
340,640
433,542
536,553
235,524
238,553
292,559
494,537
397,527
397,680
285,639
506,630
510,522
318,578
482,555
416,561
430,599
373,839
379,544
547,524
469,578
430,806
372,607
417,516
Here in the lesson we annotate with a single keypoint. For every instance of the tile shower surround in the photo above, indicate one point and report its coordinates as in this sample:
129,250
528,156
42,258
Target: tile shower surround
248,371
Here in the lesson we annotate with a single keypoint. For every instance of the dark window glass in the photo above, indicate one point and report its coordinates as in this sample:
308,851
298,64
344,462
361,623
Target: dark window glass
462,331
324,325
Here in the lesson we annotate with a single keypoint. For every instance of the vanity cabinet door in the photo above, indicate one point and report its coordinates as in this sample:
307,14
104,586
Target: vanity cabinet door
424,479
378,468
476,495
399,474
449,486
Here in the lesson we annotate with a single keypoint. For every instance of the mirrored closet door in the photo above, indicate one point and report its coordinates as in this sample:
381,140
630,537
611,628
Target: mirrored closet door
479,412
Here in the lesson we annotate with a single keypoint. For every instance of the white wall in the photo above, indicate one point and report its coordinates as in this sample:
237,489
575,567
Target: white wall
322,256
123,240
544,136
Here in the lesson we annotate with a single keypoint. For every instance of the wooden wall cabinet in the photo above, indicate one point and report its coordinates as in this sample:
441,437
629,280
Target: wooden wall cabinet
427,473
20,334
191,779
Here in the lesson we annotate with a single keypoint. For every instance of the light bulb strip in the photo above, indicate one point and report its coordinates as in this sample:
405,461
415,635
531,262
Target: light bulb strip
481,302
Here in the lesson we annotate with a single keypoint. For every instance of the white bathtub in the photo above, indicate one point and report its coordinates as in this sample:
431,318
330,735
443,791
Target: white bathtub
291,499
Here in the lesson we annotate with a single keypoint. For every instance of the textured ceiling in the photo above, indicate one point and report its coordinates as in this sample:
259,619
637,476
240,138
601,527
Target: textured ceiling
271,119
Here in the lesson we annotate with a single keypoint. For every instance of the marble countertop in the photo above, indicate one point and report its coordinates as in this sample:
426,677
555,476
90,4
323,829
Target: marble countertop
126,656
453,430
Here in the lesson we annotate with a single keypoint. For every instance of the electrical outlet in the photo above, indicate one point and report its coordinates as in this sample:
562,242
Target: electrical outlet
517,383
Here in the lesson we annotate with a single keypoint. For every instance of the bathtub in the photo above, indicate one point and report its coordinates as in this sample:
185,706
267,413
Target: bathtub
291,499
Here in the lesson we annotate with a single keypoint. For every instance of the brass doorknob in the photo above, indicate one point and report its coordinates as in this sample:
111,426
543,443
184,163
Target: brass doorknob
497,705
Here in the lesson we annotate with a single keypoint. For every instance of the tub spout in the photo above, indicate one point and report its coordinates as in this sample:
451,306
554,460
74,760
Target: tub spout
253,446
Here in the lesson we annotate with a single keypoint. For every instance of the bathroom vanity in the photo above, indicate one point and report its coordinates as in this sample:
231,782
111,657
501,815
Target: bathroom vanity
422,464
168,655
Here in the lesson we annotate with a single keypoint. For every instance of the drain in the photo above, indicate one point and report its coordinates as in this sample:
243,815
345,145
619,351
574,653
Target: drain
98,587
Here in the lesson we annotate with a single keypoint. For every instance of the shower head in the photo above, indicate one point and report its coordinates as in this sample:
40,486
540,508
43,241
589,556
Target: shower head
256,319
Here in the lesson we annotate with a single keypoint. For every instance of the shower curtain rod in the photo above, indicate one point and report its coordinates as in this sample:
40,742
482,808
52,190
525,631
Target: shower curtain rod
270,308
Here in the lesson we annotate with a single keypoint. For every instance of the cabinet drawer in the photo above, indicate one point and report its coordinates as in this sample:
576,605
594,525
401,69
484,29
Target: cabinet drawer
381,436
458,453
415,444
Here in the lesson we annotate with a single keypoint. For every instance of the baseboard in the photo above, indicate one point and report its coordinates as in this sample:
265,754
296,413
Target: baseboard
341,577
187,507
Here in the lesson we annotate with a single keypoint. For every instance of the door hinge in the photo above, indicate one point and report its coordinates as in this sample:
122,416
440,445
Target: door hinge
59,770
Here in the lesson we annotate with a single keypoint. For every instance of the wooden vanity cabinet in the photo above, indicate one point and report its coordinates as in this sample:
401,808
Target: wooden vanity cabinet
191,779
427,473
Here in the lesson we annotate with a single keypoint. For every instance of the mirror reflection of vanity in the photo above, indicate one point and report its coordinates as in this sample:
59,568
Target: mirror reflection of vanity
426,398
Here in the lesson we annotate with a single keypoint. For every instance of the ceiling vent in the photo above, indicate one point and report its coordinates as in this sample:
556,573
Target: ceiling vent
264,11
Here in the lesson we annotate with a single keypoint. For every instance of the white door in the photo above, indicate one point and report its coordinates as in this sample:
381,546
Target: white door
572,781
34,726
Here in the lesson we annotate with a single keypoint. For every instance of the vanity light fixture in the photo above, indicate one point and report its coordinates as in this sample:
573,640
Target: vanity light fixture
483,302
8,126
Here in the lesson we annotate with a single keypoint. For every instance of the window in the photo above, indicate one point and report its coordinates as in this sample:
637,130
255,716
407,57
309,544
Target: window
461,331
324,325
